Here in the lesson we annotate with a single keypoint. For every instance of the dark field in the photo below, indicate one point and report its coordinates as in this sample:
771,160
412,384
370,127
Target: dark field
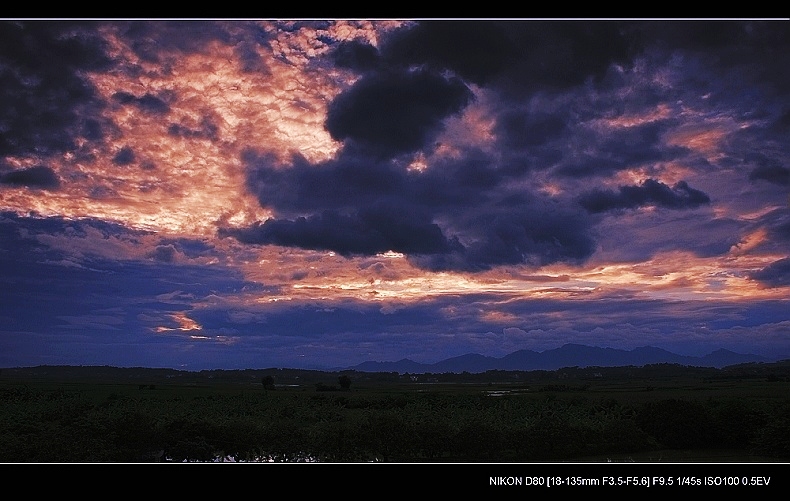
660,413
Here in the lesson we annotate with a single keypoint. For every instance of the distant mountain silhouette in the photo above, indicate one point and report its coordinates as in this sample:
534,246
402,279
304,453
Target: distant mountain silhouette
569,355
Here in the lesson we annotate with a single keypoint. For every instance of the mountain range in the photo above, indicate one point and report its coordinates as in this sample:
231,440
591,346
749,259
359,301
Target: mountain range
569,355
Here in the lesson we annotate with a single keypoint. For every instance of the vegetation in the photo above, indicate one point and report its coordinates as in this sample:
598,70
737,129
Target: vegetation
104,414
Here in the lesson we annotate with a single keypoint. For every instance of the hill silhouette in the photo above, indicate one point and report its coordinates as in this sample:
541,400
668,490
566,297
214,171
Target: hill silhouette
568,355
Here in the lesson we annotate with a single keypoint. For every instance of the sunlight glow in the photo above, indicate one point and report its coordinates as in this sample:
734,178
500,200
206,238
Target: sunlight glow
185,324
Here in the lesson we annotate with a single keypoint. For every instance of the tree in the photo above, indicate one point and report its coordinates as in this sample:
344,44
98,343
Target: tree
345,382
267,382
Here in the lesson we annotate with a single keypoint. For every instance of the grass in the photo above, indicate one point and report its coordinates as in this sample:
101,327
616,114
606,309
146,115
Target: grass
652,416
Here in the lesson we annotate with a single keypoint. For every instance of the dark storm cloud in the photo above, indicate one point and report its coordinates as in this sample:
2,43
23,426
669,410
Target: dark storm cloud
561,55
164,253
456,215
646,234
160,42
519,129
753,47
354,180
52,282
489,206
561,140
125,156
772,173
372,230
33,177
783,122
92,129
474,50
535,233
356,55
249,58
153,41
394,113
614,151
776,224
246,49
345,183
42,88
520,56
782,231
152,103
459,184
776,274
649,193
208,129
190,247
520,159
739,66
23,233
30,238
146,102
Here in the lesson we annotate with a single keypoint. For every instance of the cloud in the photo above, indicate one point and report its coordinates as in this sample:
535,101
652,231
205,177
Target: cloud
649,193
45,92
775,174
370,231
454,215
776,274
594,179
515,56
86,241
147,102
775,227
125,156
354,180
158,41
394,113
476,51
33,177
80,270
164,253
532,231
640,236
521,129
356,55
614,151
750,47
207,128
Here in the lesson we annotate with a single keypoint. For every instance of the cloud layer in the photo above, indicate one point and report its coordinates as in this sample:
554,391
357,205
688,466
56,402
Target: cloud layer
320,193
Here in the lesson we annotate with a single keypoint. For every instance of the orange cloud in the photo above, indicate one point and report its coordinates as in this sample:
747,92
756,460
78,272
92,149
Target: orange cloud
185,324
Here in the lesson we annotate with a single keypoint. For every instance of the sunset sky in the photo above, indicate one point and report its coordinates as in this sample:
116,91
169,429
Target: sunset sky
201,194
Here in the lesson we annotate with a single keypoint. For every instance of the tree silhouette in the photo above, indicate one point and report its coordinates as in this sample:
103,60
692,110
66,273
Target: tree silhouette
345,382
267,382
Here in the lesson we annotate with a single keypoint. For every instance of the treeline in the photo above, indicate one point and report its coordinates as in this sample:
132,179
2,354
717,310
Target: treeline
775,370
83,423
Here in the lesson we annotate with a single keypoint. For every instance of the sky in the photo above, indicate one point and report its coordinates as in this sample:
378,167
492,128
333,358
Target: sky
317,193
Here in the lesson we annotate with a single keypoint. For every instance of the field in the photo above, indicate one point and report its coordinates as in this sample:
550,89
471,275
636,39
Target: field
647,414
